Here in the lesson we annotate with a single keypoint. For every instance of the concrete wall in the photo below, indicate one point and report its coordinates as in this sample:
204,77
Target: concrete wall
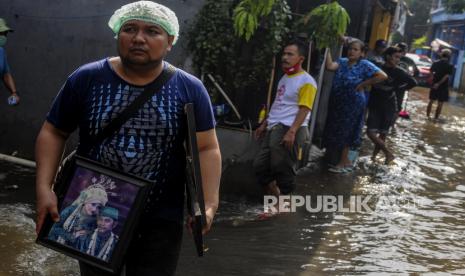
51,39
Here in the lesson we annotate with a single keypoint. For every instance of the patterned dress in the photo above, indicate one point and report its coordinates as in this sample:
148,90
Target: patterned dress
346,106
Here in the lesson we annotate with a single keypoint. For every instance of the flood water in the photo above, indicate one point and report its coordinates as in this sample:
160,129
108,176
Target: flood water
420,230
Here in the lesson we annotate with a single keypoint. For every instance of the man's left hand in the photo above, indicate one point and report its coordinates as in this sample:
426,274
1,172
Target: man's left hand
209,215
288,139
435,86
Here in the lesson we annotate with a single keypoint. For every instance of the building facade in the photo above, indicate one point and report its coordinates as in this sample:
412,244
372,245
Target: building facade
450,28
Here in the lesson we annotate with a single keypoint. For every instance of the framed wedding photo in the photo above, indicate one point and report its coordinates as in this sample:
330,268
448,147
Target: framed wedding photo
99,208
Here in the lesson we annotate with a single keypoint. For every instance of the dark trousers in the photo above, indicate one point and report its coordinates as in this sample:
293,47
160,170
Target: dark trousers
400,99
275,162
153,251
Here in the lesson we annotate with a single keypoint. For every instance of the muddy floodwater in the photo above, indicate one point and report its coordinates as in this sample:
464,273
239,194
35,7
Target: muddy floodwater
415,224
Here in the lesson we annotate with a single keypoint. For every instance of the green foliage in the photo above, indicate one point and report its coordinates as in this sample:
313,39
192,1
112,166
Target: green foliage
417,24
454,6
326,23
420,42
246,16
239,66
211,35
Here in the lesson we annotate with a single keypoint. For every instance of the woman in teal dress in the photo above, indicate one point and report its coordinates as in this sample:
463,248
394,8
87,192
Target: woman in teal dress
347,102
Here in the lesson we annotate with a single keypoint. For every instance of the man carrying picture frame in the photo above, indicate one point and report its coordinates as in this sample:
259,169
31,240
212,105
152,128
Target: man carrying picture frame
149,145
87,237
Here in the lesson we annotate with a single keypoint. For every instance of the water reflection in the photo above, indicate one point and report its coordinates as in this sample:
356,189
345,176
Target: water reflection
19,254
415,238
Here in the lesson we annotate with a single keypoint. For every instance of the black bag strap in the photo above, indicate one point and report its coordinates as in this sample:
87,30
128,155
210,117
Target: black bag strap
127,113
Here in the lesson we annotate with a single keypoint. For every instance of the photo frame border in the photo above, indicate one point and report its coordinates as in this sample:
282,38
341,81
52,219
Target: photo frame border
115,263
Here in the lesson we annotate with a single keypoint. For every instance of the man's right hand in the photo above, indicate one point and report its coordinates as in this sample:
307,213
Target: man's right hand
46,204
260,131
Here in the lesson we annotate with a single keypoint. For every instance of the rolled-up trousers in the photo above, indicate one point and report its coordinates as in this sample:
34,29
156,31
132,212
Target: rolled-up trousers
275,162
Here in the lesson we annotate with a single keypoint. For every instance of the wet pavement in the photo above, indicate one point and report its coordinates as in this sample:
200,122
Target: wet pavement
416,226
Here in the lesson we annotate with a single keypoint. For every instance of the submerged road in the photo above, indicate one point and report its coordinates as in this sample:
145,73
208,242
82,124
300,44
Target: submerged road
416,225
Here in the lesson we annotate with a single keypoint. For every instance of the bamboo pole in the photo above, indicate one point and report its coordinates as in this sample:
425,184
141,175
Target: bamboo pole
309,55
17,160
270,86
225,96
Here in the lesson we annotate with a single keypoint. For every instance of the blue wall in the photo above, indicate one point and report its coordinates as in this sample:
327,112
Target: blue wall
443,24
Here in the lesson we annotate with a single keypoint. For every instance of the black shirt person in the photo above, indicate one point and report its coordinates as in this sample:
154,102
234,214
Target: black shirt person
376,56
382,106
441,71
408,65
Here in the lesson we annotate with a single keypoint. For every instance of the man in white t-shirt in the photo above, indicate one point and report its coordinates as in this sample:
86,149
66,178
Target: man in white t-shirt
285,129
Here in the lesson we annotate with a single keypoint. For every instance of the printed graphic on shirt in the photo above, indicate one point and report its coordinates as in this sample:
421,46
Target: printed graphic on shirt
145,139
279,96
293,91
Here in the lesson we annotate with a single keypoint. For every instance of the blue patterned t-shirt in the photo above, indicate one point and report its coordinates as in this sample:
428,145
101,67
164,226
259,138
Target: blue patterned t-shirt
150,144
